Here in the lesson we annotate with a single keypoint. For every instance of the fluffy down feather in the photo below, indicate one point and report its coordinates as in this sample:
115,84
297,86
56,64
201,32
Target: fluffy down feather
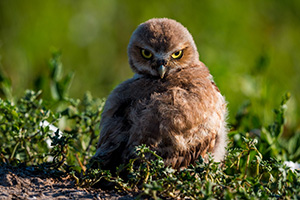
181,116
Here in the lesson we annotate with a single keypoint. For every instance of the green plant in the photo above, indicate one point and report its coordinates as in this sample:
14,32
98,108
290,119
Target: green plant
61,140
59,84
249,171
22,137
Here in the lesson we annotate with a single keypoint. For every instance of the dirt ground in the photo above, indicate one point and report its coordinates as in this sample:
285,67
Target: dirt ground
23,183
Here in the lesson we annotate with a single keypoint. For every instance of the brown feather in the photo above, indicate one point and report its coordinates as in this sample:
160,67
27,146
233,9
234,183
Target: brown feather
181,116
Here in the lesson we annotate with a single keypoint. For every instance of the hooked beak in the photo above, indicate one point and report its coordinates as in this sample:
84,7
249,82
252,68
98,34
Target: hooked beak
162,71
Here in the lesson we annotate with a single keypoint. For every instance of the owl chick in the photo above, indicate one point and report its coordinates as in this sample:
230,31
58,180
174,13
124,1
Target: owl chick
171,104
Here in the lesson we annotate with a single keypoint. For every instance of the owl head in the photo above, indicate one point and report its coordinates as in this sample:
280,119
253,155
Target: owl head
161,46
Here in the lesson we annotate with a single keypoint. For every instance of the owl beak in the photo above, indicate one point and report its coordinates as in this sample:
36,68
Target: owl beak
162,71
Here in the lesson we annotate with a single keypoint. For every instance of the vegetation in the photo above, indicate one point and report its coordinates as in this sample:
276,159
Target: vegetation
250,47
253,168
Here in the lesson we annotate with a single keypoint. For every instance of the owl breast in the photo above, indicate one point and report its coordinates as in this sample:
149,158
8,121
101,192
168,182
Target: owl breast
180,117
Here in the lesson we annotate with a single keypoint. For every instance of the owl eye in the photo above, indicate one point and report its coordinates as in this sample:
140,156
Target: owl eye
146,54
177,54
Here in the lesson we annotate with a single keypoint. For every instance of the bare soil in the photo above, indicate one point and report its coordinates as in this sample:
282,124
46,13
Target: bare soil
25,183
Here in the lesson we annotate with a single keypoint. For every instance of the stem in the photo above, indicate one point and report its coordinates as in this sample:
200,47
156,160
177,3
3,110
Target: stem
80,163
14,151
147,174
247,163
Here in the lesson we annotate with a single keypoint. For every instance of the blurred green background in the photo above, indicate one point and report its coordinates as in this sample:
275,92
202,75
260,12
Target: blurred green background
251,47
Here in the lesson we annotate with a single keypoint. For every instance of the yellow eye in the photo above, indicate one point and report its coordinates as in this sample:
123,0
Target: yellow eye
177,55
146,54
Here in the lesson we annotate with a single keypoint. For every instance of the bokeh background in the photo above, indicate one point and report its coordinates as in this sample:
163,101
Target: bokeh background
251,47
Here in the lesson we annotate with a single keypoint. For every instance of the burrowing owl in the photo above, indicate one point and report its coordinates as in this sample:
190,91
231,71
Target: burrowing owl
171,104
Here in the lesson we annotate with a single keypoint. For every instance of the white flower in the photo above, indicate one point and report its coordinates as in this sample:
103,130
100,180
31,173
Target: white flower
292,165
53,129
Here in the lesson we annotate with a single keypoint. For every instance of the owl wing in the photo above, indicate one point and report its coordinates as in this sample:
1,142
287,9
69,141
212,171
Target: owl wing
114,127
